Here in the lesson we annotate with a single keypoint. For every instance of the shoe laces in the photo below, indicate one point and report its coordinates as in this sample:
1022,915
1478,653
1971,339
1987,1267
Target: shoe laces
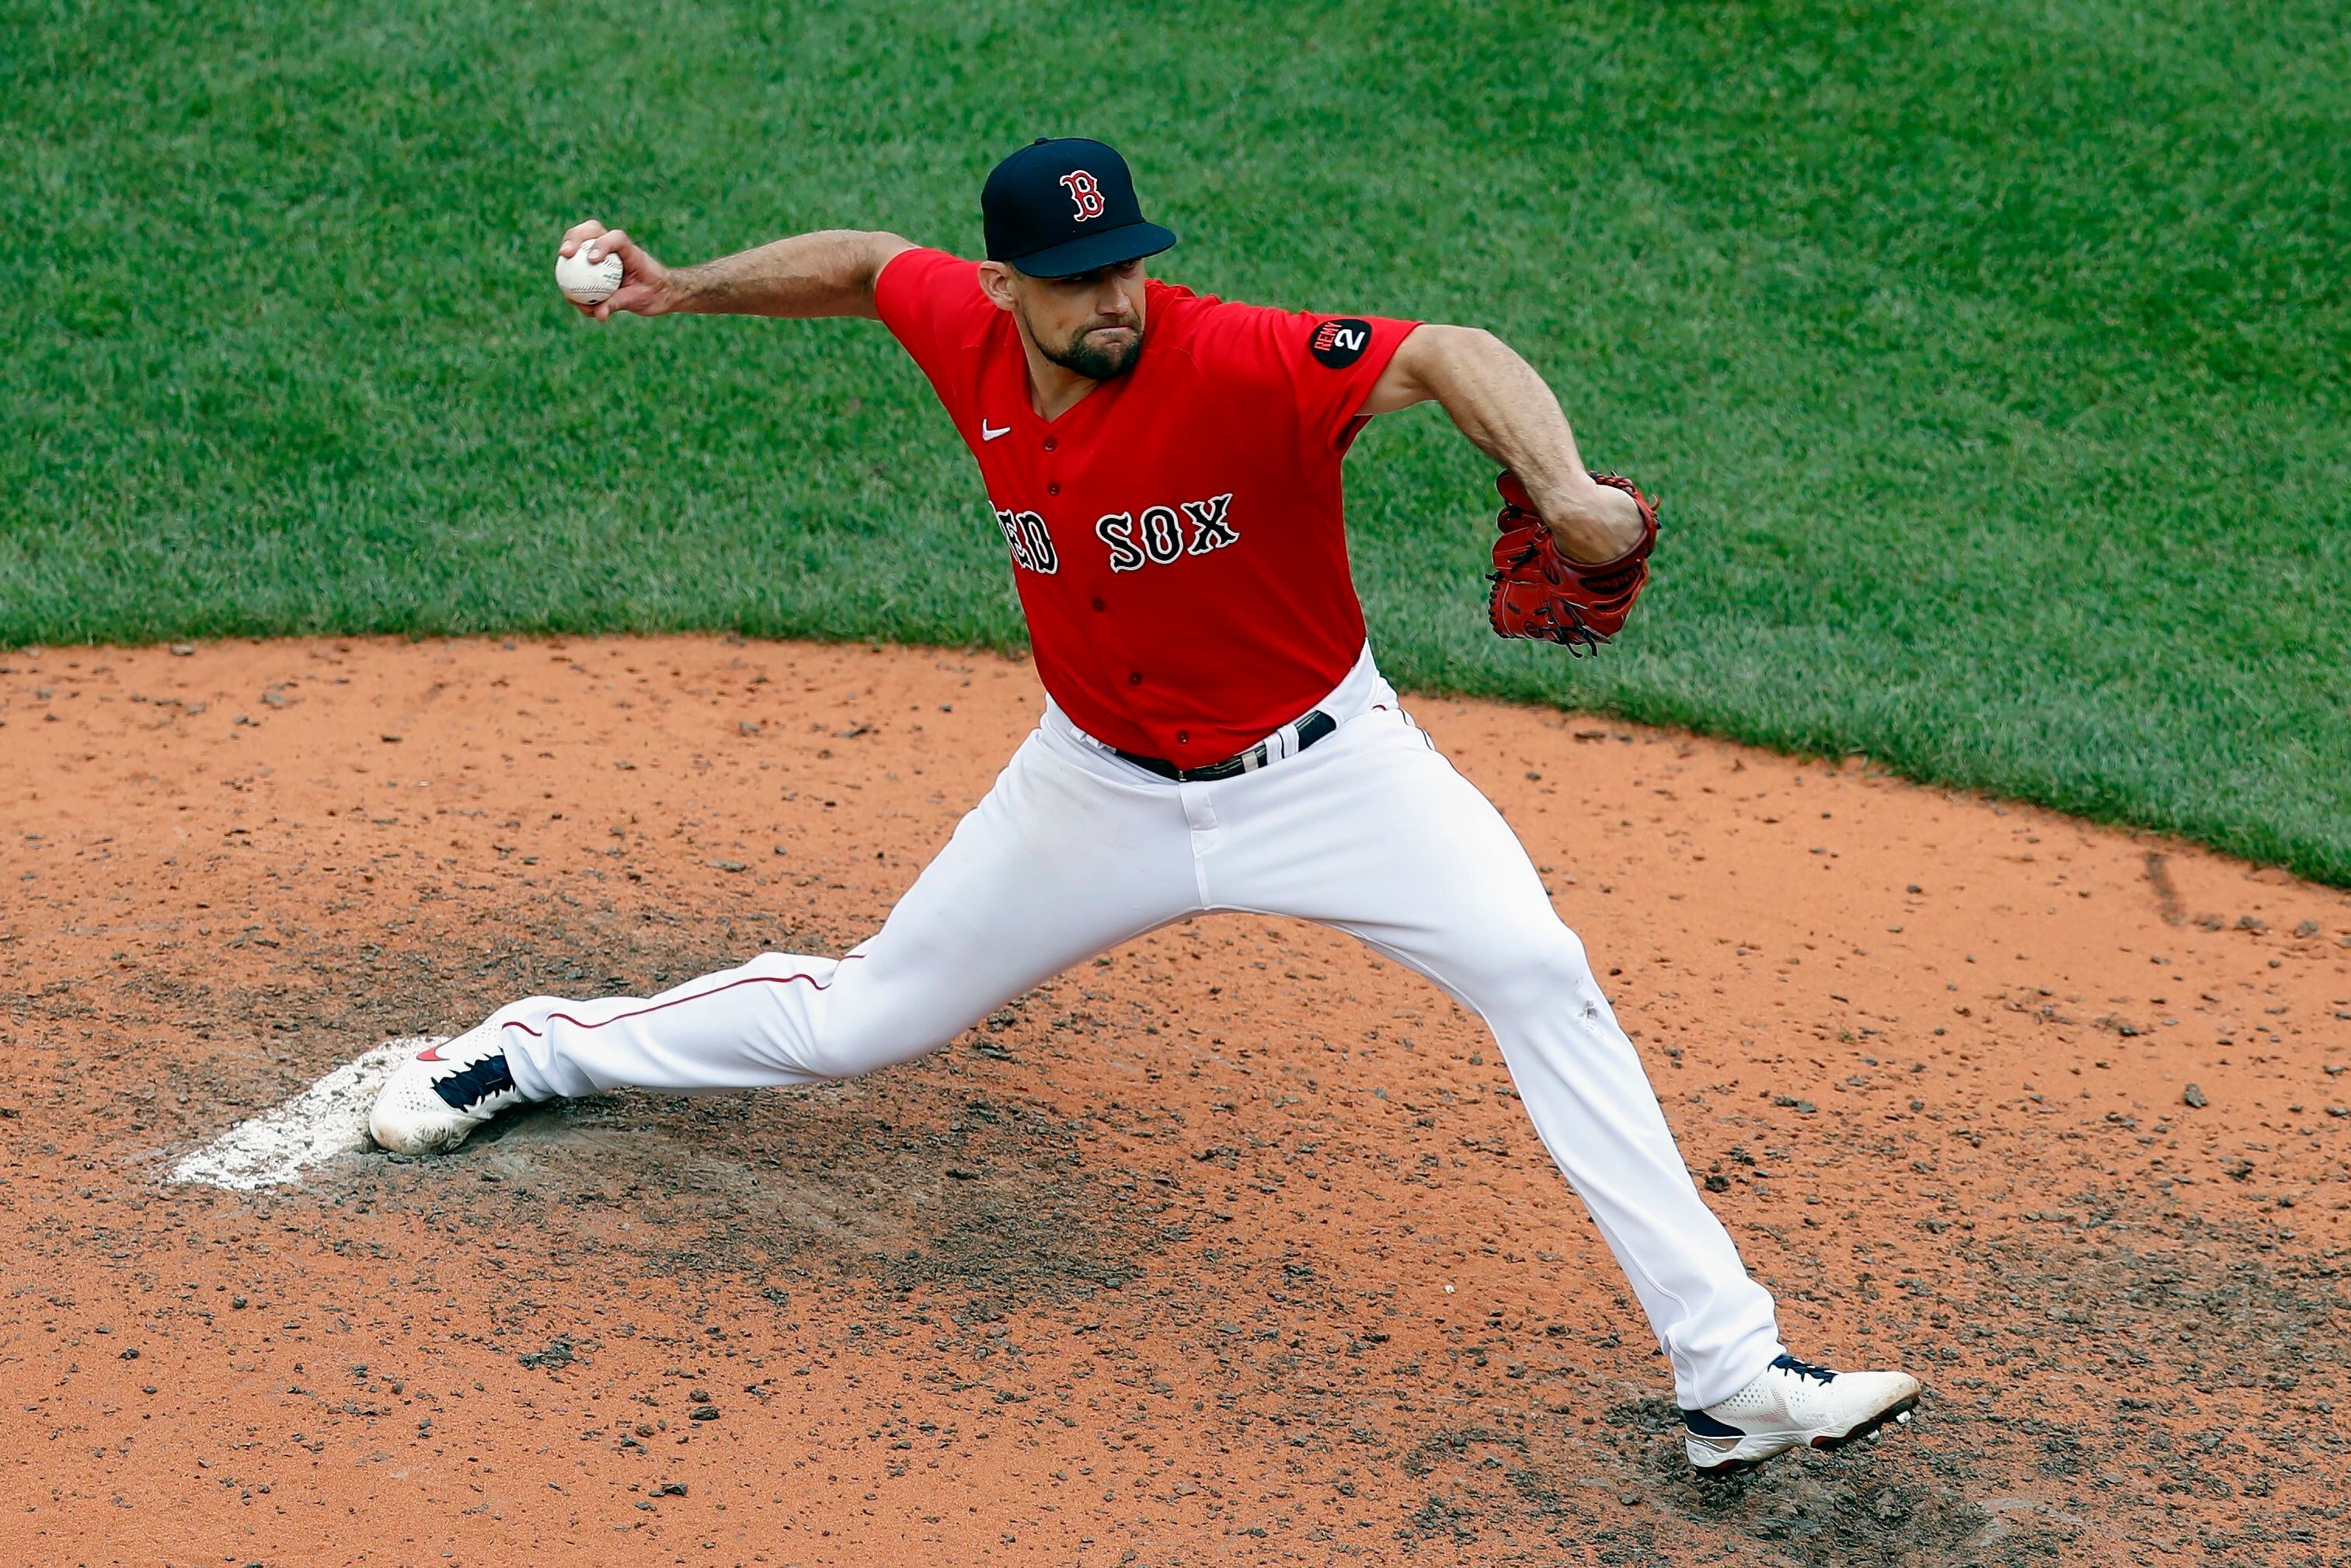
1794,1368
464,1090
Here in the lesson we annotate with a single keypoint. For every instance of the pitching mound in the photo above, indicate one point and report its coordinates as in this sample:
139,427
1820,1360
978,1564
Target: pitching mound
1232,1246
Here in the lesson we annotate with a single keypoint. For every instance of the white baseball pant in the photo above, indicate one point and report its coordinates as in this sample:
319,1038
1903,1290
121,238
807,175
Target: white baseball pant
1075,850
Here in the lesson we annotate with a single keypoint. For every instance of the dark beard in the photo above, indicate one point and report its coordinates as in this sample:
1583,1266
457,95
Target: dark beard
1093,362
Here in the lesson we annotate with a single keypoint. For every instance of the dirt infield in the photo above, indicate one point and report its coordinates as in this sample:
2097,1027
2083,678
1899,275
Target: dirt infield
1234,1246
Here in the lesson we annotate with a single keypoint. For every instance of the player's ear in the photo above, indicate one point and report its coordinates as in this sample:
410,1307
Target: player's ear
996,282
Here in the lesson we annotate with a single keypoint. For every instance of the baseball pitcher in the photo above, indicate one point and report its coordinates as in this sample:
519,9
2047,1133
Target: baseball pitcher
1166,469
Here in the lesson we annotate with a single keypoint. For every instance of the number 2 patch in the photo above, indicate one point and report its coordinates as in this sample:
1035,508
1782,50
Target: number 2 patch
1340,343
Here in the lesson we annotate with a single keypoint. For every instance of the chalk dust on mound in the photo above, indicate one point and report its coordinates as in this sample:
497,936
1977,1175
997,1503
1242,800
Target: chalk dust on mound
1232,1246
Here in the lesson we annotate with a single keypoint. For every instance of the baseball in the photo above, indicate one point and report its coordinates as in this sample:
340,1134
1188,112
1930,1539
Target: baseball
586,282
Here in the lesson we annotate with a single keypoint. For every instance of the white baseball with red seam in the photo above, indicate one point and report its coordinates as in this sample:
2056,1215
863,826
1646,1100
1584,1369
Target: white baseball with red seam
587,282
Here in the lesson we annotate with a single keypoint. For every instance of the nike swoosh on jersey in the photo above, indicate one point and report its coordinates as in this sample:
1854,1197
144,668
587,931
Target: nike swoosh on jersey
987,435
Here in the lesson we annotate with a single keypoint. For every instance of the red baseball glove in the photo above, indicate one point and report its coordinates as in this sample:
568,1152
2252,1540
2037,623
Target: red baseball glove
1542,591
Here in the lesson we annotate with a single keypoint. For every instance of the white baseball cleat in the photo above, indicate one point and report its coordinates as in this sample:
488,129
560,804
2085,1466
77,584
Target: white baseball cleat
1795,1405
435,1099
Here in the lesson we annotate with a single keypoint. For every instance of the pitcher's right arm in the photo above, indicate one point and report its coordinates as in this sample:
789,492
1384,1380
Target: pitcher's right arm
829,273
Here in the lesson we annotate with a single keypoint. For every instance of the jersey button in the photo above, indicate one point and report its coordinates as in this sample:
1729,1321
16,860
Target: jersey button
1054,489
1182,737
1101,604
1134,677
1051,444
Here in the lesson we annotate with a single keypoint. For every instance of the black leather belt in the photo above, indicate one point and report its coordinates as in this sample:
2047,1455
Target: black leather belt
1305,731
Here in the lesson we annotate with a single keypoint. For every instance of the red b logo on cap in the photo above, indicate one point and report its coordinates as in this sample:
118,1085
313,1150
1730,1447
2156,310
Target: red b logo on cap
1085,193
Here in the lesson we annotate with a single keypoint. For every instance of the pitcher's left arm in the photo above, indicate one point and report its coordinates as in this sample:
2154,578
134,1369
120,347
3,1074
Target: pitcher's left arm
1509,412
1573,553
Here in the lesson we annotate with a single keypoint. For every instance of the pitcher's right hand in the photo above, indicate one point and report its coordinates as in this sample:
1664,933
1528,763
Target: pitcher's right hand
645,285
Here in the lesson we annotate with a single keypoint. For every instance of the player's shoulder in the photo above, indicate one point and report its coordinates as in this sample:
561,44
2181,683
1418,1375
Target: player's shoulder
1205,318
935,286
1232,335
928,264
935,274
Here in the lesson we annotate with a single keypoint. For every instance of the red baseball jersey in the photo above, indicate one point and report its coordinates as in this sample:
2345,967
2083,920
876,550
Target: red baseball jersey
1178,537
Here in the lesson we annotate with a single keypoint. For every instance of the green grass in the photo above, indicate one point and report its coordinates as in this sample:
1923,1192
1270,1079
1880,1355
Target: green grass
1990,358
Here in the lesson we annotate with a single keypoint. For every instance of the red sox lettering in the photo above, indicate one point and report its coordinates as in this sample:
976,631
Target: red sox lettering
1031,542
1158,536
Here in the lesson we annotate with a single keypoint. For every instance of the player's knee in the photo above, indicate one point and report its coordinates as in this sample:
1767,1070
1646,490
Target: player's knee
1539,966
828,1057
1560,952
852,1053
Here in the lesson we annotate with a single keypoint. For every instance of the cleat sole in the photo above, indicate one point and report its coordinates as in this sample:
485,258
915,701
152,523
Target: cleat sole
1899,1411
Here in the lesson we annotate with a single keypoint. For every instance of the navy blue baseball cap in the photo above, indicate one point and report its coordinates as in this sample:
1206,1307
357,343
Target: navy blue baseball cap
1065,205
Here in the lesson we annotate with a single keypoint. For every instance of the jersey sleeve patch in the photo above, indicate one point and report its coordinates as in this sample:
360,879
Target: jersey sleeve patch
1341,341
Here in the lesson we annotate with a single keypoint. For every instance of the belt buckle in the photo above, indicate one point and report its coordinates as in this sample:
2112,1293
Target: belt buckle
1232,767
1255,758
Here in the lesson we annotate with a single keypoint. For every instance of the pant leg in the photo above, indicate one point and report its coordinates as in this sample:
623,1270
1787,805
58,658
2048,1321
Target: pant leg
1057,863
1376,834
